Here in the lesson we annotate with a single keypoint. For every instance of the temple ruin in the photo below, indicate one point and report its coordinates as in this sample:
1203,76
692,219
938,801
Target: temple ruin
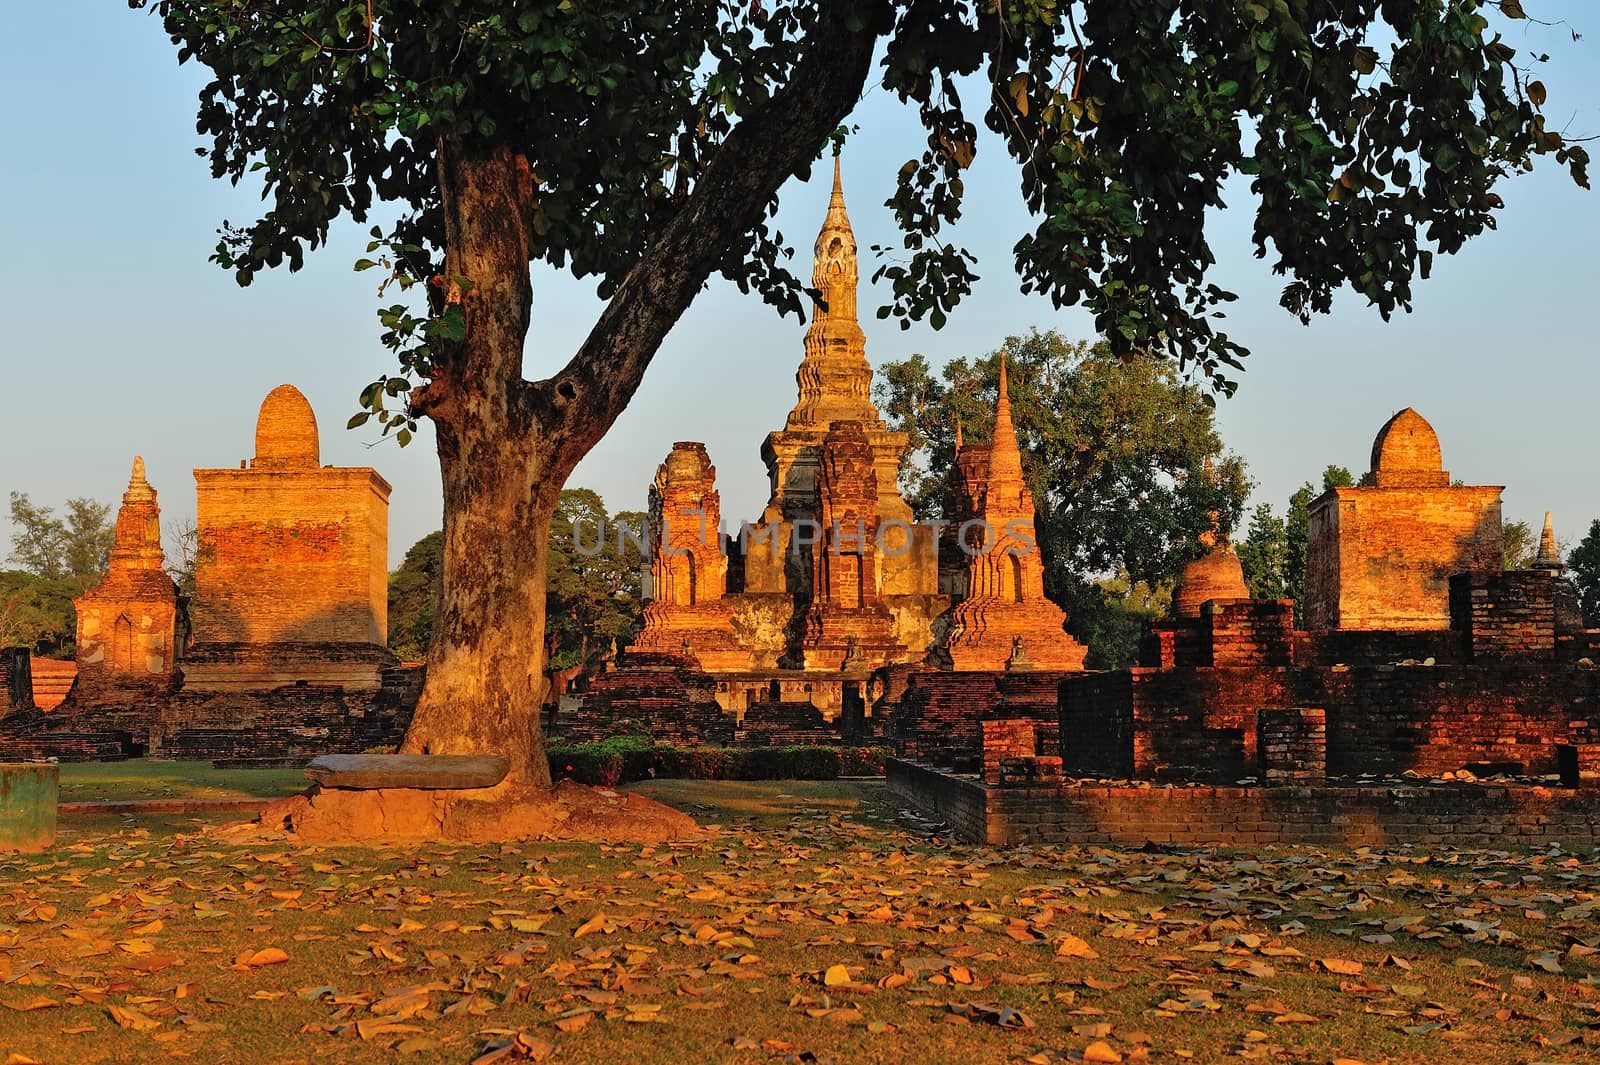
824,606
279,656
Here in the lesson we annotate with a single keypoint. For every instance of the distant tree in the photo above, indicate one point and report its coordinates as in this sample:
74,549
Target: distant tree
1583,566
1109,615
414,590
182,547
1123,457
594,579
54,548
593,594
1519,545
1264,554
1273,551
36,613
644,145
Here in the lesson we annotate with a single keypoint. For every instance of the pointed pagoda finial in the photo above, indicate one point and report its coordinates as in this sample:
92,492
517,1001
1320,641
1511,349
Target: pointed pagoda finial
1004,457
838,183
959,440
138,488
1548,557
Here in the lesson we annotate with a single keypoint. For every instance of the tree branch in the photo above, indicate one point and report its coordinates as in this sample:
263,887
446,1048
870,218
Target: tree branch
758,156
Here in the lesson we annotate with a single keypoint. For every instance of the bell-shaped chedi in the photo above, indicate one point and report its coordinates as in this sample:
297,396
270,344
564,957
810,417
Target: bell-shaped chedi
291,573
127,623
1215,575
847,622
1380,555
835,385
1005,617
688,615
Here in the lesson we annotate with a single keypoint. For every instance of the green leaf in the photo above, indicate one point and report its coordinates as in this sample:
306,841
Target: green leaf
358,420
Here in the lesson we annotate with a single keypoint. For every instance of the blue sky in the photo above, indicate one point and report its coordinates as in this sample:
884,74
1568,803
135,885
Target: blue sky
123,339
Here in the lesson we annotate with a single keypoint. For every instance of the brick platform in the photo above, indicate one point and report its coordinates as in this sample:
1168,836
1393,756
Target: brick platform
1448,815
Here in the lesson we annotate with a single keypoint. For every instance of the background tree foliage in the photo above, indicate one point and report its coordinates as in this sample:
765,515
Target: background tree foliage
1273,551
1519,544
1122,455
1583,566
595,595
57,559
594,584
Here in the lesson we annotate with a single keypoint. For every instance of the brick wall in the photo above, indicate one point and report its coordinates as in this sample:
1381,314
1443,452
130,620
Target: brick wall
291,556
1382,558
1508,615
1193,724
1292,742
1437,815
1003,739
1381,719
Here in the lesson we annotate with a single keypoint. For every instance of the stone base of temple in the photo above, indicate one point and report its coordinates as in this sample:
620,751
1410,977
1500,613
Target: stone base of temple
418,815
284,725
667,696
264,667
989,635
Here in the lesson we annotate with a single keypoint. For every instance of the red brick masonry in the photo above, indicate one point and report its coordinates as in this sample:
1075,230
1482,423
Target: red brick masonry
1472,815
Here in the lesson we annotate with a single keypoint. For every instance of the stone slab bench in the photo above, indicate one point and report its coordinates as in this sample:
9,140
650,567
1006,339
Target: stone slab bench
430,772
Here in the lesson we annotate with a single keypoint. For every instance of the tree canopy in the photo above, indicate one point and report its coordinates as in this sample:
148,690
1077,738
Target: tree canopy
73,547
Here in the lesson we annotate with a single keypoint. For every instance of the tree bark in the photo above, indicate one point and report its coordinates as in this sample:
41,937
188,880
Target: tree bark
485,681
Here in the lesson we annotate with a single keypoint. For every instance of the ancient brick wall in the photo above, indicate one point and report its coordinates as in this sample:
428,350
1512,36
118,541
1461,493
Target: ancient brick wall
1292,744
1005,738
1387,719
1382,719
1167,724
1085,813
1249,632
1506,615
291,556
667,695
1382,558
942,710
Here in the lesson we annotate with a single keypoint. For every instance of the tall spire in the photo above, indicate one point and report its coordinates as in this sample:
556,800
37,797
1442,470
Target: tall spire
1548,557
959,440
835,379
1005,460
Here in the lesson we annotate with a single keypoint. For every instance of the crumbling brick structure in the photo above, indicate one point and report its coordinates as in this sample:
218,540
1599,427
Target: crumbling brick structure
127,644
1380,556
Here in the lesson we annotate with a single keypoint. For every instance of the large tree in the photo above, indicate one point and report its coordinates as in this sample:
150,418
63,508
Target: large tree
644,145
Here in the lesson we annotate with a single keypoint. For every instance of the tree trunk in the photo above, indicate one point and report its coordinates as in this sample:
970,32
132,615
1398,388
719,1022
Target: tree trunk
507,445
501,478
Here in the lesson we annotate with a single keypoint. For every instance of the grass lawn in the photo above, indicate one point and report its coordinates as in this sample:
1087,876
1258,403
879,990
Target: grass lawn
814,926
145,778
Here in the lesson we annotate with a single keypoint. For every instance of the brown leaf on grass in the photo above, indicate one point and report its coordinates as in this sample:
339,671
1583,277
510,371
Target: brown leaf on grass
128,1017
1101,1053
1341,966
835,976
38,1002
265,956
1070,946
594,924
